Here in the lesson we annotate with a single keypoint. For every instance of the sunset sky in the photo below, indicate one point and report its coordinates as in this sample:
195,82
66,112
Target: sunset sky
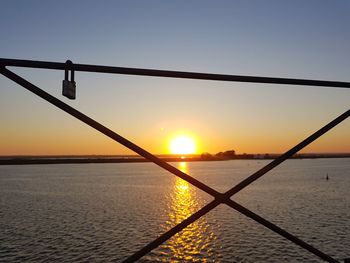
293,39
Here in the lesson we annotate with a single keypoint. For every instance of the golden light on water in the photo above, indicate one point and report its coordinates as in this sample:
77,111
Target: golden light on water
183,167
195,239
183,202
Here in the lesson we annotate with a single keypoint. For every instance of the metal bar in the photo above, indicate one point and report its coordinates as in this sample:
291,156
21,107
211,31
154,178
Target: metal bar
171,74
111,134
225,198
219,198
176,229
65,107
287,154
210,206
279,231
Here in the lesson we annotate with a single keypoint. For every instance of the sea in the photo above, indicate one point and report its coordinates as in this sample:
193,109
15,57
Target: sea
107,212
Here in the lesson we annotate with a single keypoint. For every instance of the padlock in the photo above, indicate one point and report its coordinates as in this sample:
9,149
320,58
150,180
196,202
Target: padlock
68,87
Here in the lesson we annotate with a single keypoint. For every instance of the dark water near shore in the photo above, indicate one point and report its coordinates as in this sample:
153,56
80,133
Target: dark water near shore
105,212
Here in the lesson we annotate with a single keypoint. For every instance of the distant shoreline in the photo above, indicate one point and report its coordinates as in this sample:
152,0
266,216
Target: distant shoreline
26,160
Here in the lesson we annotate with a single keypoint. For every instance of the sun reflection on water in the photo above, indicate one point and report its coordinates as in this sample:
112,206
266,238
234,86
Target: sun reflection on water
194,243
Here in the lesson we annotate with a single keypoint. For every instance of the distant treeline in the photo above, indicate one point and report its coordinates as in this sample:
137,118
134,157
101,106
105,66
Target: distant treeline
231,155
221,156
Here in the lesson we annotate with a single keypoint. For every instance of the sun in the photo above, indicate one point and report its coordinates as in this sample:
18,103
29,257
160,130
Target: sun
182,145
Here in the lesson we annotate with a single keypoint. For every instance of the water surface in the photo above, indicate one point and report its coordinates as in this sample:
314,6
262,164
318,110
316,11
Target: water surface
105,212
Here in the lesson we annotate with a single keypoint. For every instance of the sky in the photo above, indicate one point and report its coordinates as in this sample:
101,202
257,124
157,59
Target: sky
293,39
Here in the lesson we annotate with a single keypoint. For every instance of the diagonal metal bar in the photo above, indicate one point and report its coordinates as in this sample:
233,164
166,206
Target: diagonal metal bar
225,198
173,231
279,231
111,134
220,198
171,74
287,154
210,206
65,107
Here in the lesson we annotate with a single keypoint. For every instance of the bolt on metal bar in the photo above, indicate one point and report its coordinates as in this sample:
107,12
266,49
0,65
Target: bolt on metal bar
172,74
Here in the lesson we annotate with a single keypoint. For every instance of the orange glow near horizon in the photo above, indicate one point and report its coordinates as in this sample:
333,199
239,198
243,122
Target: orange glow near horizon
69,137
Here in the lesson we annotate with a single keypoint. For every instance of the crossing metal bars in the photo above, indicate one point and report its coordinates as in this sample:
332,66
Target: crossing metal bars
219,198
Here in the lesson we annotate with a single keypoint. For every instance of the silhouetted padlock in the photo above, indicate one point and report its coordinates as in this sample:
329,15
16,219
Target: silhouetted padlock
68,86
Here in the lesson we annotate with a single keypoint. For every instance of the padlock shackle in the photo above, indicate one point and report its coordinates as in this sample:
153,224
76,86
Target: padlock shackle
66,74
69,66
72,75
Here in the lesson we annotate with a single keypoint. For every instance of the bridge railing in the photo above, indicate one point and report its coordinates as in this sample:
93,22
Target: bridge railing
219,198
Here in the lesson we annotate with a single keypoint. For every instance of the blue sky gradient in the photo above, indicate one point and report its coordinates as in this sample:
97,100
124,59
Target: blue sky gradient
301,39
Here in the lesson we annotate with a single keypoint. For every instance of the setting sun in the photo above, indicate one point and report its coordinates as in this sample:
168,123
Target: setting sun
182,145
